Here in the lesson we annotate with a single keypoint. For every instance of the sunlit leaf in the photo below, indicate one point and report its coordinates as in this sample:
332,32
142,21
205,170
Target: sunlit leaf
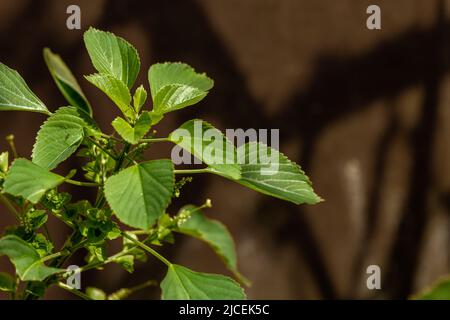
138,195
29,180
175,85
112,55
182,283
209,145
268,171
15,93
135,133
115,89
60,136
28,263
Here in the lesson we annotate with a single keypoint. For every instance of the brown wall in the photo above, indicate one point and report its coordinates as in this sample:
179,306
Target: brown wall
364,112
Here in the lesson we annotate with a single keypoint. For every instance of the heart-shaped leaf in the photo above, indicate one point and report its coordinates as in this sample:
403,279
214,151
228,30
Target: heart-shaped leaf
29,180
29,265
182,283
138,195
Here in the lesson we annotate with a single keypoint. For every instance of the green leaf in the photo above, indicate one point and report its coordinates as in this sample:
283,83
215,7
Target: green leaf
16,95
115,89
270,172
60,136
176,85
133,134
139,98
182,283
29,265
7,282
112,55
126,262
66,81
175,97
209,145
440,291
212,232
29,180
139,194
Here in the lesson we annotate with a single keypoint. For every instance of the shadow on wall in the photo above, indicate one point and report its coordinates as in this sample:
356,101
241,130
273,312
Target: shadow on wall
340,86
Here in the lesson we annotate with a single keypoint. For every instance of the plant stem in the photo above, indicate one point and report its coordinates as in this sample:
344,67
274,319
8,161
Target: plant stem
141,286
10,140
76,292
192,171
55,255
9,206
104,135
103,149
148,249
82,184
155,140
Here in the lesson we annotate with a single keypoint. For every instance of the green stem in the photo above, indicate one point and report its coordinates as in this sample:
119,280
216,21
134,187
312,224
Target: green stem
82,184
101,197
113,258
76,292
107,136
55,255
155,140
10,140
9,206
103,149
193,171
141,286
148,249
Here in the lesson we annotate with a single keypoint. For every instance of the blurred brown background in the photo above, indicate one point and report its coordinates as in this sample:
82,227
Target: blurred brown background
366,114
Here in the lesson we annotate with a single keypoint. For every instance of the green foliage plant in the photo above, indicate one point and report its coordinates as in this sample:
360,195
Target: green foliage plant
133,194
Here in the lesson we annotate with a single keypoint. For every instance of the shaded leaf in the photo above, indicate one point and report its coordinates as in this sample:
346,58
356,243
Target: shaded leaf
112,55
29,180
182,283
212,232
66,81
29,265
440,291
15,93
138,195
7,282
